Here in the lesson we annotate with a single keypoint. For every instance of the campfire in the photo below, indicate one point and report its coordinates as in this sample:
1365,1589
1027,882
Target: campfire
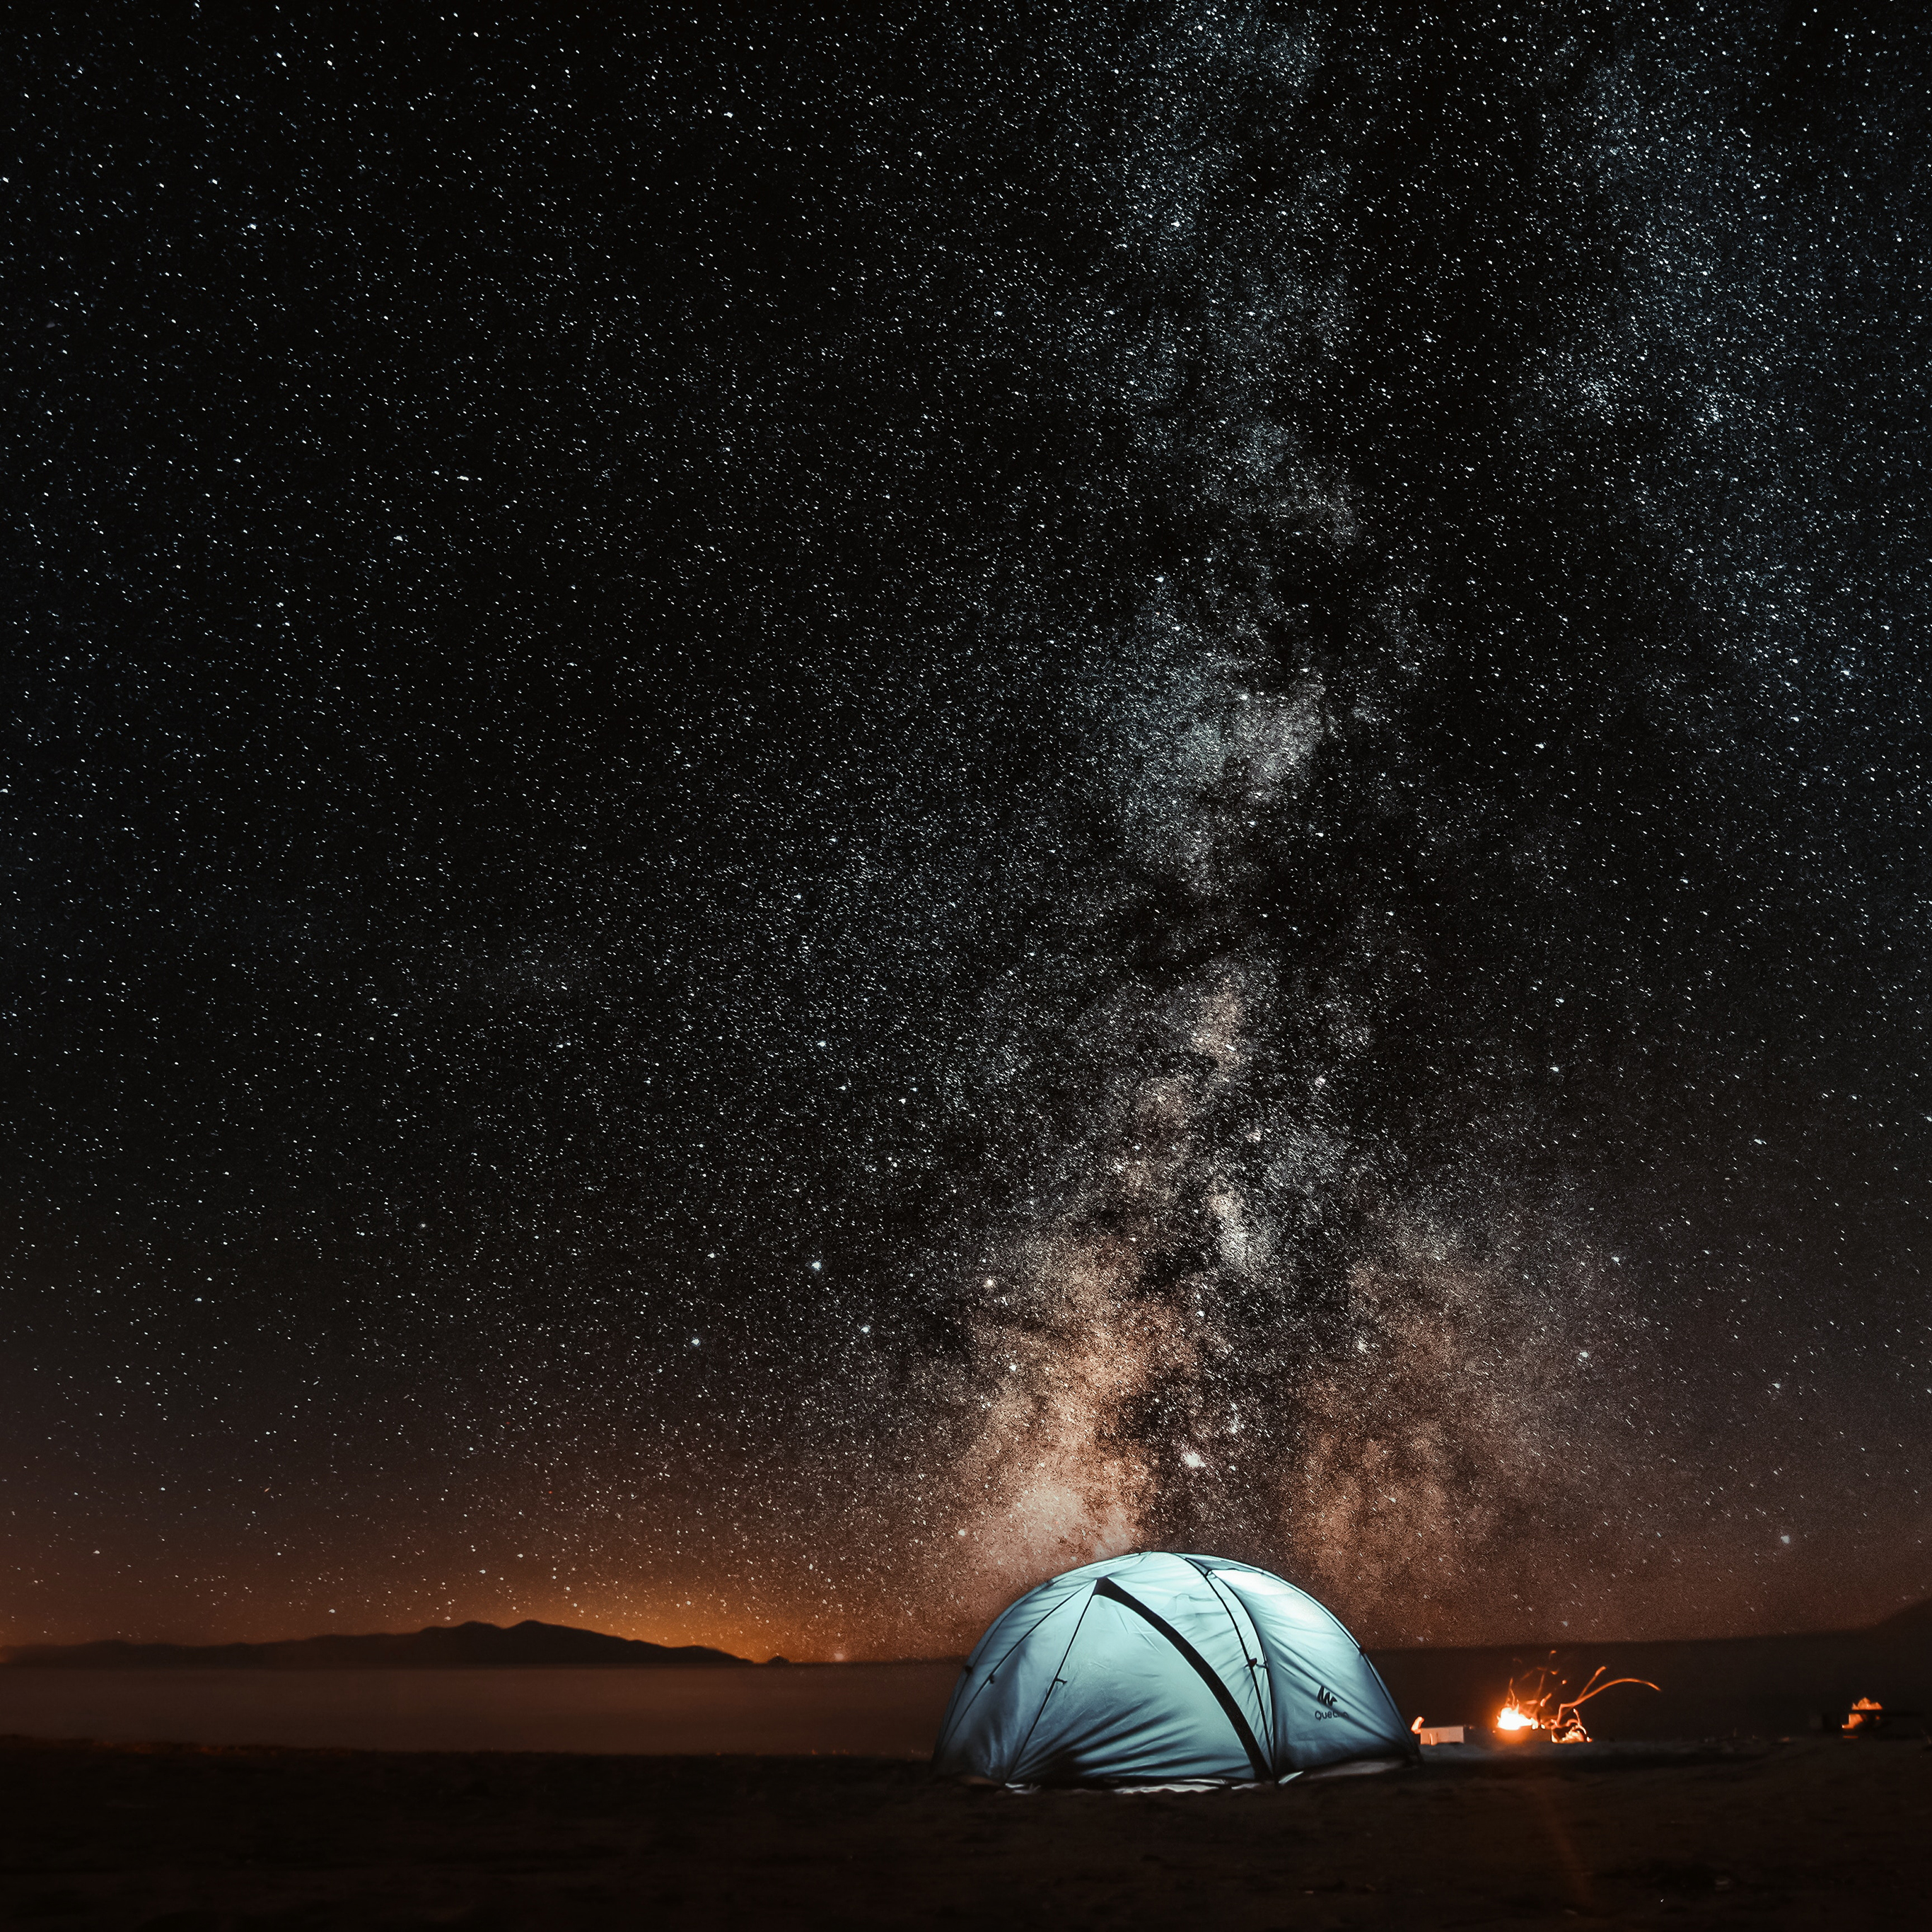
1541,1709
1867,1715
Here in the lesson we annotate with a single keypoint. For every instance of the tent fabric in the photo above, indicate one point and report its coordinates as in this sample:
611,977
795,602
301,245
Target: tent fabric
1156,1667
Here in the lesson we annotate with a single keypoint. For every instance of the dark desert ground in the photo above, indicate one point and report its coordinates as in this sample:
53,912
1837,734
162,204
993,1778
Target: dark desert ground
1817,1832
1717,1802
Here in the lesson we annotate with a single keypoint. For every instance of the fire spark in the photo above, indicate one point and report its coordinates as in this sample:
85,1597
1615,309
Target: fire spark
1540,1707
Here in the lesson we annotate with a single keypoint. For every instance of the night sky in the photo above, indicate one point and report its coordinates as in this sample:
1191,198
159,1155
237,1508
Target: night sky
803,816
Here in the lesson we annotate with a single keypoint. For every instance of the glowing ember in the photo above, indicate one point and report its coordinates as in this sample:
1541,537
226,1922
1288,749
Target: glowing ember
1541,1707
1867,1714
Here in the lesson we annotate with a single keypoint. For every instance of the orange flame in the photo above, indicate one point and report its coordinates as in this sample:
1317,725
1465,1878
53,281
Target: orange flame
1541,1707
1867,1714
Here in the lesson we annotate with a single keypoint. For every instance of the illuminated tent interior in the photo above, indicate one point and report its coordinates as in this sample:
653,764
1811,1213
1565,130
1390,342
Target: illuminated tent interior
1154,1668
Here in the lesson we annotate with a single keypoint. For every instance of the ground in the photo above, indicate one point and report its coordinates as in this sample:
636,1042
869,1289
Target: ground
1820,1833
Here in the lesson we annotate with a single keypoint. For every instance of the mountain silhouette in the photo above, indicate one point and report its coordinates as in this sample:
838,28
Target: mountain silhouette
469,1646
1915,1622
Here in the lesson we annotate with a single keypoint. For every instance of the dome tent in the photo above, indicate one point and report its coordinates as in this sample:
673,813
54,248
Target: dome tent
1154,1668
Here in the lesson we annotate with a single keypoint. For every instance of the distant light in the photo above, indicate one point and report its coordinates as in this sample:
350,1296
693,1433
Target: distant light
817,1267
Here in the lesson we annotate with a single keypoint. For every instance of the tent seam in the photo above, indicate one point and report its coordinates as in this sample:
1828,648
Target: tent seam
1296,1668
1038,1623
1019,1756
1202,1669
1261,1643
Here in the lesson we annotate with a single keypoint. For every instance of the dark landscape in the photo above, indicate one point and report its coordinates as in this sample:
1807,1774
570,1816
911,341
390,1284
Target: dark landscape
1712,1686
1820,1833
530,1645
1706,1687
1729,1797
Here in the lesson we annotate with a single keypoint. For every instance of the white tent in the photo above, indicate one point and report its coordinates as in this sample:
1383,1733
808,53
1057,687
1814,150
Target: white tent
1154,1668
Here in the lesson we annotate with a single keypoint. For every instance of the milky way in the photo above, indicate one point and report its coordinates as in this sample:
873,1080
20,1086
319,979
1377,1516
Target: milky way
805,819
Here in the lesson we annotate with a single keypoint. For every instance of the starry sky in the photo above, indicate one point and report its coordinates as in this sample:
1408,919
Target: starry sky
803,817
